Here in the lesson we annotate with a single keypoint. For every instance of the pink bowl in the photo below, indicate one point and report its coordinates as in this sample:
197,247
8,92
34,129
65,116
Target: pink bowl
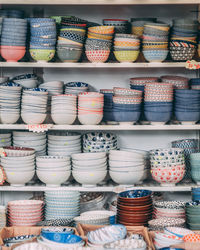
168,176
13,53
97,56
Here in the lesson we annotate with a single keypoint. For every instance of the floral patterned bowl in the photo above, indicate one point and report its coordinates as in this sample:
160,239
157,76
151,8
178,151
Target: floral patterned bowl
42,55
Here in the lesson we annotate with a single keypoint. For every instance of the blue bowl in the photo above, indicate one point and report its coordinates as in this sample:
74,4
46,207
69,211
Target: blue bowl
122,116
135,193
157,116
155,55
25,76
137,87
108,116
61,235
76,84
187,116
40,20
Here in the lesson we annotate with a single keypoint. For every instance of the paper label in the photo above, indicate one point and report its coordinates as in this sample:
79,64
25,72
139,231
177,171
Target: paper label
39,128
192,65
2,152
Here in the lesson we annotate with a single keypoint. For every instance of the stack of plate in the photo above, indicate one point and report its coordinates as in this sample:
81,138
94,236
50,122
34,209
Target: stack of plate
61,204
99,142
34,105
10,94
92,201
25,212
89,168
53,170
169,209
160,224
64,144
94,218
36,141
2,216
5,140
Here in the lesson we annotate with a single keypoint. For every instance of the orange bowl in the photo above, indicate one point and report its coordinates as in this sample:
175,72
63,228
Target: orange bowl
13,53
102,29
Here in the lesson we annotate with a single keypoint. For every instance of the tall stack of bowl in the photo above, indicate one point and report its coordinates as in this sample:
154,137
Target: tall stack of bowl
108,116
126,105
71,39
90,108
192,214
167,165
121,25
13,39
138,25
187,105
134,207
183,41
126,47
139,83
195,167
189,146
158,102
98,43
155,42
42,39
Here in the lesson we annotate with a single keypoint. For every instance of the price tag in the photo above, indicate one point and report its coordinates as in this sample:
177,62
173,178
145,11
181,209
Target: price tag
2,176
2,152
91,174
39,127
2,140
66,143
119,189
192,65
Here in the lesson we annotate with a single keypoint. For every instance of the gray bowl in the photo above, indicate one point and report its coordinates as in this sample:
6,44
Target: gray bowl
69,55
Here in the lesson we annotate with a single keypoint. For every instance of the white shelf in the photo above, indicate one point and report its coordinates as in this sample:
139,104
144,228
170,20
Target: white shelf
186,187
107,127
97,2
91,65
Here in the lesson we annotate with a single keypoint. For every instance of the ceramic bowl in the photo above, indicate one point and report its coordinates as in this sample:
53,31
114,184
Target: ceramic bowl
40,55
97,56
69,55
89,178
19,178
155,55
126,56
126,177
12,53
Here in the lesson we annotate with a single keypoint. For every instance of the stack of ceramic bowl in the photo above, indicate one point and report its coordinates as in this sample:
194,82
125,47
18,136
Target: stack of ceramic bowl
178,82
89,169
2,216
42,39
26,80
183,39
189,146
195,83
64,144
92,201
129,243
187,105
134,207
14,13
127,167
139,83
10,96
196,194
126,47
19,165
97,217
99,142
169,209
121,25
62,204
53,88
138,25
53,170
158,102
90,108
155,42
192,215
167,166
13,39
25,212
126,105
165,240
108,106
195,167
56,223
98,44
63,109
36,141
105,235
5,139
76,88
162,223
70,41
34,105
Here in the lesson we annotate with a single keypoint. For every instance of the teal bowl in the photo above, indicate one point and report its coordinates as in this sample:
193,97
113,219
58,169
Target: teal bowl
69,55
193,219
193,226
195,175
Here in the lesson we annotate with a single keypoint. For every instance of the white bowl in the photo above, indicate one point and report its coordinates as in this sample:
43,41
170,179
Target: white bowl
52,165
19,178
89,162
9,118
18,159
88,156
125,163
63,119
126,177
53,178
89,177
33,118
28,83
48,158
89,168
90,119
29,142
138,168
127,154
